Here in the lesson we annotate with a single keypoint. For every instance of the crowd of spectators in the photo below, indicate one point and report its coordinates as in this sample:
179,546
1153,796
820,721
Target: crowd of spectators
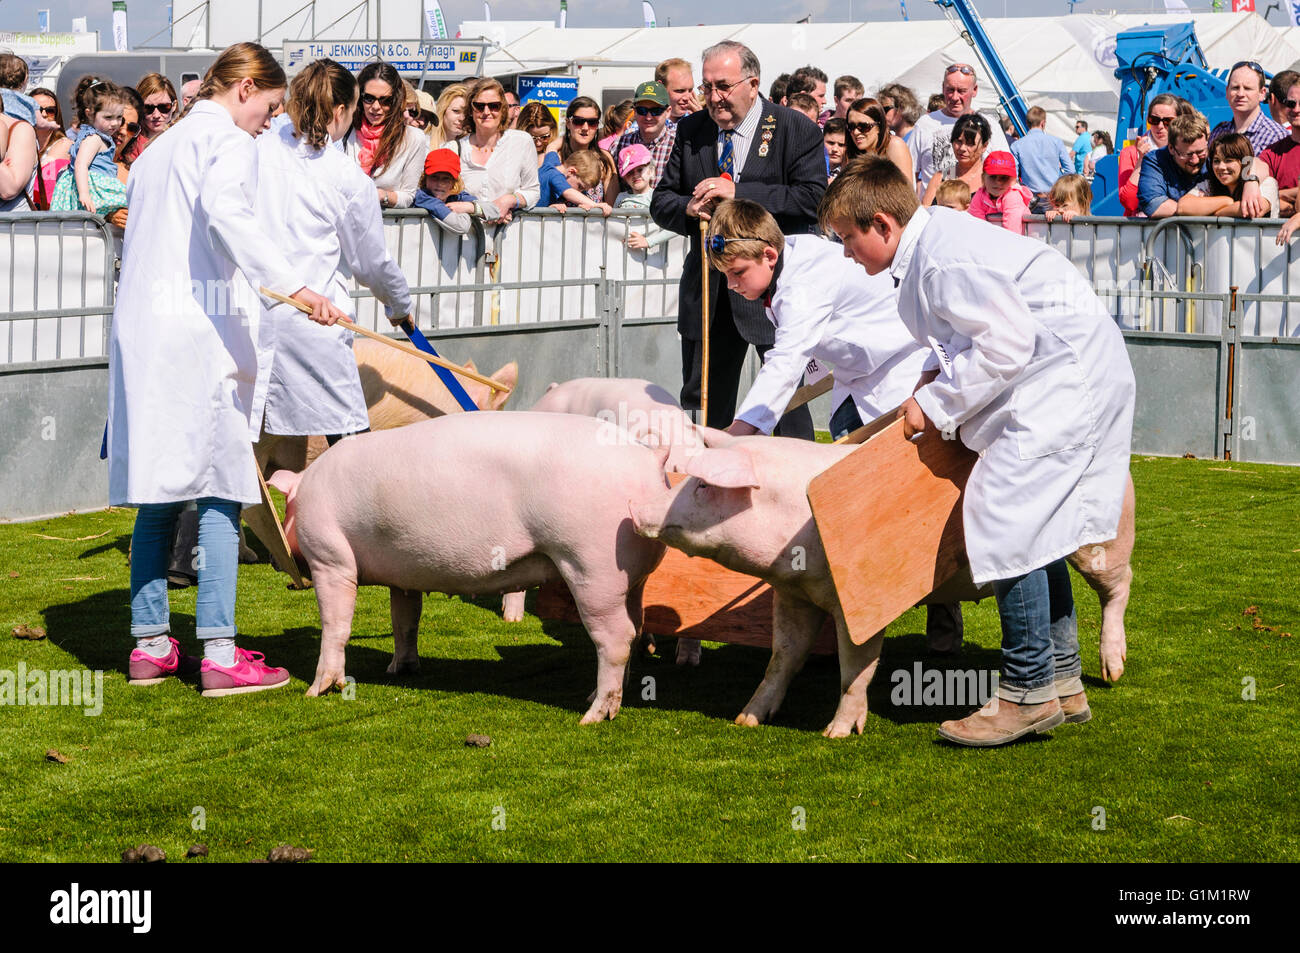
511,156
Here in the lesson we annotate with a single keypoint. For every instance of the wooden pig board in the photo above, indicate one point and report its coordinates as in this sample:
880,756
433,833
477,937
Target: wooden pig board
889,516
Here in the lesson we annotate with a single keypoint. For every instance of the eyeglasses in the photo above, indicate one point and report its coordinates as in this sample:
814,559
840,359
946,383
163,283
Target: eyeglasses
1159,120
967,138
1192,156
482,107
369,99
860,126
1288,103
159,107
718,244
47,110
541,138
959,68
723,89
583,121
651,110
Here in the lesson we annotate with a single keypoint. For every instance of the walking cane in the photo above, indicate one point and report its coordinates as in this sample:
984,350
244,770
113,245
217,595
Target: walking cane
704,326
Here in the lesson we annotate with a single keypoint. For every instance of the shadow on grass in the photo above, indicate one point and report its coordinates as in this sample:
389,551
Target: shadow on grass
561,675
122,544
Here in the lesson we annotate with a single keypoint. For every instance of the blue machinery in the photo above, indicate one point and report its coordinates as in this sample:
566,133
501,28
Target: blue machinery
1152,60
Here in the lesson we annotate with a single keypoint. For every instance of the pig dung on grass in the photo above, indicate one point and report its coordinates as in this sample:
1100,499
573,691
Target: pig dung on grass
746,507
473,504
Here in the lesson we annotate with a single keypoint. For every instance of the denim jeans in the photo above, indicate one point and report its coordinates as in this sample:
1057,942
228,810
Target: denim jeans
216,564
846,419
1040,635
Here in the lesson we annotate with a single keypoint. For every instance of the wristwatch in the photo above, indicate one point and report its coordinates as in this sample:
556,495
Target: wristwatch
1250,177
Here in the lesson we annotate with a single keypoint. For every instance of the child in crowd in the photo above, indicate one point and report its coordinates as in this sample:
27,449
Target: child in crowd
953,193
564,181
1029,370
834,143
1001,200
1071,195
13,79
635,167
91,183
443,194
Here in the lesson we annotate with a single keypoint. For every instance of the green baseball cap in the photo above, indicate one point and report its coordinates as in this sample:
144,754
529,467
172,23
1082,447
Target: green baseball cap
655,92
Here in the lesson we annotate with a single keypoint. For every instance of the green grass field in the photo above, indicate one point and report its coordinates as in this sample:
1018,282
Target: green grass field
1183,766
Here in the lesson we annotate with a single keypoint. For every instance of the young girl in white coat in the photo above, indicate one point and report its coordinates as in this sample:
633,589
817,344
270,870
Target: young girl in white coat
323,208
1031,372
184,367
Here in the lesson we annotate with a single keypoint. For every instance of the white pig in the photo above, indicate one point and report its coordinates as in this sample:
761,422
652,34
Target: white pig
746,506
475,504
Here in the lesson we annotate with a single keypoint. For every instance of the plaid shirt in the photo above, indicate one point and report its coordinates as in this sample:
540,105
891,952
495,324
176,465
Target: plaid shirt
1262,133
660,150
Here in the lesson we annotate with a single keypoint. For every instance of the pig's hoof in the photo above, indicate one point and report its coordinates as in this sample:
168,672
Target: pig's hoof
512,607
844,725
747,720
407,667
1113,658
325,682
688,652
605,708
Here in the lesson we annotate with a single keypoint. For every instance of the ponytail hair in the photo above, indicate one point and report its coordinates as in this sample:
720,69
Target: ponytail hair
237,63
314,94
80,118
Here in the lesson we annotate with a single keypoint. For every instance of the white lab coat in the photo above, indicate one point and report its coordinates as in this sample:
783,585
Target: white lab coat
826,307
1034,377
322,208
183,362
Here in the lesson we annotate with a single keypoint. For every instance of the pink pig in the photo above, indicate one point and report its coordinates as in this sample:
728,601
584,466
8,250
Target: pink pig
475,504
746,506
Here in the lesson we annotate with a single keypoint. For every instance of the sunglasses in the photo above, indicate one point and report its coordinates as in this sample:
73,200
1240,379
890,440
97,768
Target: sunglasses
718,244
131,128
1251,63
541,138
369,99
967,138
959,68
413,113
1159,120
482,107
158,107
583,121
860,126
1288,103
650,110
47,110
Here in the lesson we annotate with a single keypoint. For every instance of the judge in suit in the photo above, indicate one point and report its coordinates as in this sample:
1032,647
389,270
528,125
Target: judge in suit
775,157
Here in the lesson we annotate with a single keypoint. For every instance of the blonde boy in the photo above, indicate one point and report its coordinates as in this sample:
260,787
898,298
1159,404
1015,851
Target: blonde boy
1029,370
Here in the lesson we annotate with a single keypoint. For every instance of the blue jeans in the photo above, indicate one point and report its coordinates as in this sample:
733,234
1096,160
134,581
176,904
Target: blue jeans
216,564
846,419
1040,635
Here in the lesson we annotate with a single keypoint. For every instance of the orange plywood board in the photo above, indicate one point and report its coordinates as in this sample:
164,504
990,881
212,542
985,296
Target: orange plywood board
889,516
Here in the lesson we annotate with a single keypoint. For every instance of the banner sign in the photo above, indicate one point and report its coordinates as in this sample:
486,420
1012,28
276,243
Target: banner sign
446,59
553,92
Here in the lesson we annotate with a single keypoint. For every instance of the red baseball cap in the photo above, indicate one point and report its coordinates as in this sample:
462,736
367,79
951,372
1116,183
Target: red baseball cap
442,160
1000,163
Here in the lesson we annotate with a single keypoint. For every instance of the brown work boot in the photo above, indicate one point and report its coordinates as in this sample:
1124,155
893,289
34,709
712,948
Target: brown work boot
1075,708
1000,722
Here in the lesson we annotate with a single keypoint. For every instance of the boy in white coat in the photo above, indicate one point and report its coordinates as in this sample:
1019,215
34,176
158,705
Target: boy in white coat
1029,370
823,308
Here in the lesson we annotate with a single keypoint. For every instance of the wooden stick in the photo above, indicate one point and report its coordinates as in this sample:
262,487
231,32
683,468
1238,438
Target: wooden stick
279,547
809,392
704,325
404,348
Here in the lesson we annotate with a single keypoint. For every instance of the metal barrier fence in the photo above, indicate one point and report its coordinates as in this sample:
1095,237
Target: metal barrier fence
1182,254
57,273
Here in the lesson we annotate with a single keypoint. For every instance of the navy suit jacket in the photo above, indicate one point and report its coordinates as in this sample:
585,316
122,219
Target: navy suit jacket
789,181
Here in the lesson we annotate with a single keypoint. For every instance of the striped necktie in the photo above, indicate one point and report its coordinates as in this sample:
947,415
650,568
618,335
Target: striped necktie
726,161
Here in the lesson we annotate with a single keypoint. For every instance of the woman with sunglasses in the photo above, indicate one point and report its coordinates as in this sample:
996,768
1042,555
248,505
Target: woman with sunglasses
497,164
971,134
581,125
159,111
52,147
387,149
869,134
1160,113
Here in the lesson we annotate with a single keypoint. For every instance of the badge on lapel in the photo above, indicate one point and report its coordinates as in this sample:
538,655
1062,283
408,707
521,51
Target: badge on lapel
769,126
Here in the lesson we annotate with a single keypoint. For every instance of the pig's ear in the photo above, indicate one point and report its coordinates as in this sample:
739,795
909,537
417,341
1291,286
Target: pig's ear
286,481
715,438
731,469
508,375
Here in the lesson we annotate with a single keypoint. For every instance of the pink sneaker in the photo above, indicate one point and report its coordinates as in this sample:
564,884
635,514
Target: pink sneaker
249,674
144,669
